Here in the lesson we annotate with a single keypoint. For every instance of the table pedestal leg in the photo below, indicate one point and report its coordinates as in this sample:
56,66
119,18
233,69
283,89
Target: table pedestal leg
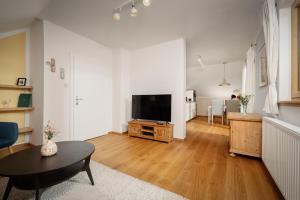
7,190
88,170
37,194
38,191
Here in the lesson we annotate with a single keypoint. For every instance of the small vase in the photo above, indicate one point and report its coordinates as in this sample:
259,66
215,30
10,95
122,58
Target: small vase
49,148
244,109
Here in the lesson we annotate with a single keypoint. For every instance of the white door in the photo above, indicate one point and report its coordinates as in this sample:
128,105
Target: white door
91,111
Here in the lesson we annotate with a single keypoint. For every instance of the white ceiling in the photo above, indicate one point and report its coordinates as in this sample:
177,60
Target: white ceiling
217,30
285,3
15,14
206,82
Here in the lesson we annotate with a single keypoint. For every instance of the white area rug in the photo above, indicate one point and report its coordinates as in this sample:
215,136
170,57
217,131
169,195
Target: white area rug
109,185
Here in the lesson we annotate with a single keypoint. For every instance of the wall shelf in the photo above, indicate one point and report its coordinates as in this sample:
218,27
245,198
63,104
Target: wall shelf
7,110
25,130
15,87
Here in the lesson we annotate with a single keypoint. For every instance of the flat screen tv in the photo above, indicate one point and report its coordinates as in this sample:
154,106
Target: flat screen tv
152,107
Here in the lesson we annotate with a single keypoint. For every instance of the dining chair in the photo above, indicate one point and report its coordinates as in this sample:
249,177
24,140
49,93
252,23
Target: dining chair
231,106
217,109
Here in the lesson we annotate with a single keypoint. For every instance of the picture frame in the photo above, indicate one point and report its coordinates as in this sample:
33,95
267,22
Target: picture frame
21,82
262,66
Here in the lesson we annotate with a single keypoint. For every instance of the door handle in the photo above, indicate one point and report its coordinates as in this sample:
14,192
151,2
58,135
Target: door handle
77,100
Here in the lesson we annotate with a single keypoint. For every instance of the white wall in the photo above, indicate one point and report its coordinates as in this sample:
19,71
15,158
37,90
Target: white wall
37,80
286,113
202,105
160,69
206,81
58,43
290,114
121,89
284,71
153,70
56,104
116,93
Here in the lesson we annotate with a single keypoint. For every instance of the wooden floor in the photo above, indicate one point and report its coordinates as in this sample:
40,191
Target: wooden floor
198,168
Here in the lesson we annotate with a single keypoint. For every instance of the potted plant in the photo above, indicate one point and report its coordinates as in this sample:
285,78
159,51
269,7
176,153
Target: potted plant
244,100
49,148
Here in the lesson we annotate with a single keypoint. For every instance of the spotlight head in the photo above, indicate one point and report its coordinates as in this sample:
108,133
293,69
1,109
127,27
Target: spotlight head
133,11
116,16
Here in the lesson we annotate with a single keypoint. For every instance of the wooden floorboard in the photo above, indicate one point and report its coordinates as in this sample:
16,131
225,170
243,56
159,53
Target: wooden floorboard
198,167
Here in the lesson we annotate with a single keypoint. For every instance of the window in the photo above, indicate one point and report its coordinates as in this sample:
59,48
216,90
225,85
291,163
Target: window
296,49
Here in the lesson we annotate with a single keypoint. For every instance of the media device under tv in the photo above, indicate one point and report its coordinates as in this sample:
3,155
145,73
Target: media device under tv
152,107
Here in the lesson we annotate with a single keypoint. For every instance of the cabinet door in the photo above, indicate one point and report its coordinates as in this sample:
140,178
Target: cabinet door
134,130
245,137
162,133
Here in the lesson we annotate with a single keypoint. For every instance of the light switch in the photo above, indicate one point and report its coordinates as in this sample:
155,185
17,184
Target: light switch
62,73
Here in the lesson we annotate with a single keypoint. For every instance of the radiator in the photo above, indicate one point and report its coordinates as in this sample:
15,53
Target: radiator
281,155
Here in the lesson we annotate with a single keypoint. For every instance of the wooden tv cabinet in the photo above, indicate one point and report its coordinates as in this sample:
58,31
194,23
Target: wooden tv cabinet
151,130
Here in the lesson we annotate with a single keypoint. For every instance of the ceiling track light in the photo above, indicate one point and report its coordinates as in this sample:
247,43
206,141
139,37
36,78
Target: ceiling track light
131,4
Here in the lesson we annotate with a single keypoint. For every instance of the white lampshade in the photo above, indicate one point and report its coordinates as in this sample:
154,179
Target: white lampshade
133,11
224,82
237,91
147,2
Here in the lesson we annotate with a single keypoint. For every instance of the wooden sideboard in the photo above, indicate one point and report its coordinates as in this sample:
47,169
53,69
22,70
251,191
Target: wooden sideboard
151,130
245,134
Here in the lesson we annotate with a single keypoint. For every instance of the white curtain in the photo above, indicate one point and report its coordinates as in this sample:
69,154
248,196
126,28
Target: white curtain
271,32
250,78
244,74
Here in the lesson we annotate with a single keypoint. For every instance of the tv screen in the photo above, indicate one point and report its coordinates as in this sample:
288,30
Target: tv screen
152,107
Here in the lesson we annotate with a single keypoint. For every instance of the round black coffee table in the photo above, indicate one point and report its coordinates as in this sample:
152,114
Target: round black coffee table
28,170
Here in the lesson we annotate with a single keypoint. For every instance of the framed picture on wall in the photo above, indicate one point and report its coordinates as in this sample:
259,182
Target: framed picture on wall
262,68
21,82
